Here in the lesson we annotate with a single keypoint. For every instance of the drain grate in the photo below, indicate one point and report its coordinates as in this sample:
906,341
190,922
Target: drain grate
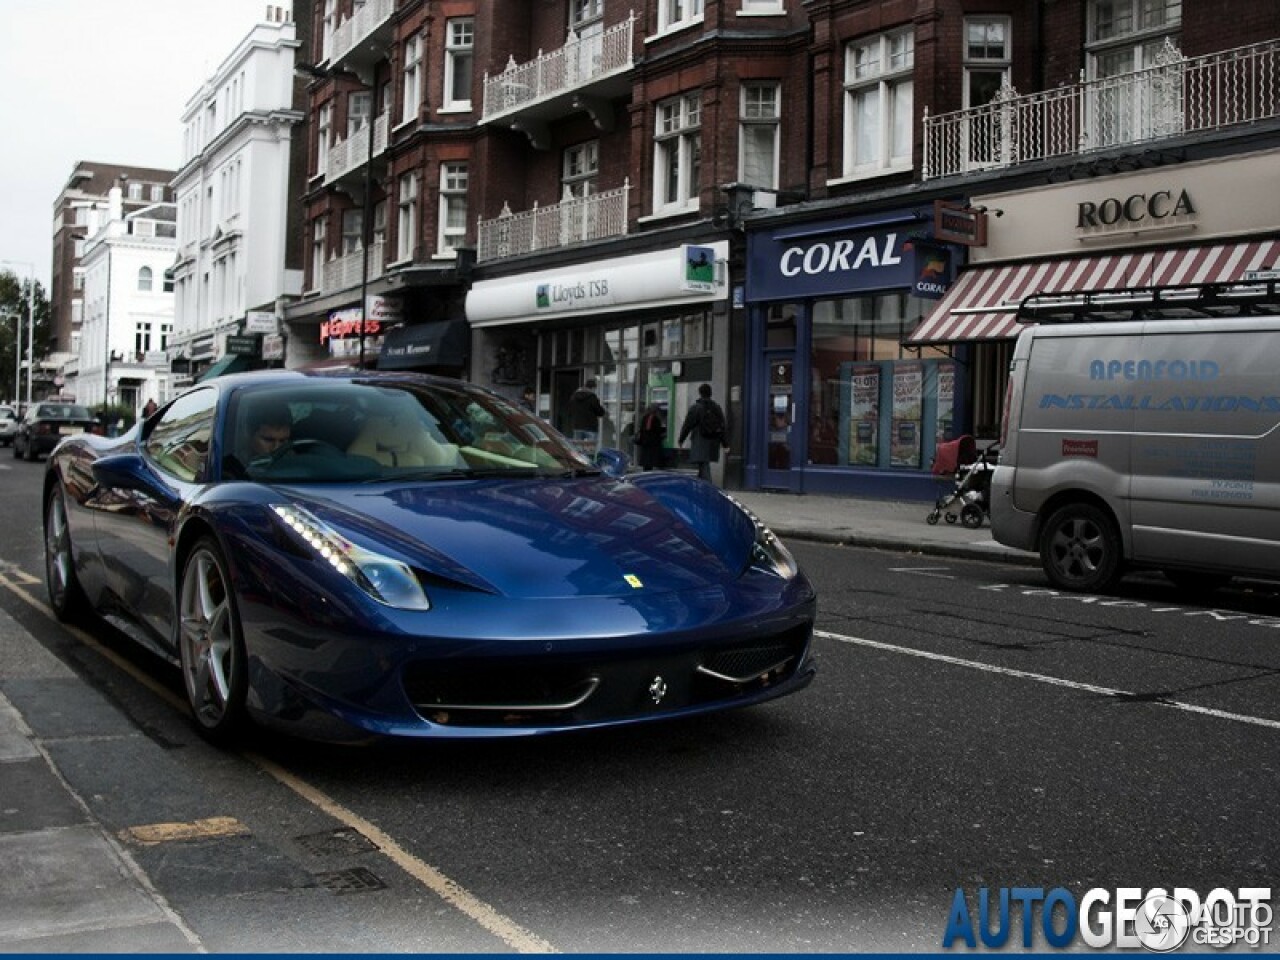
343,841
355,880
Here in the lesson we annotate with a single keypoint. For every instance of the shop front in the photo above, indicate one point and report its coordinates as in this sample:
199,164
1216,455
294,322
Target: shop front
1212,221
648,328
834,401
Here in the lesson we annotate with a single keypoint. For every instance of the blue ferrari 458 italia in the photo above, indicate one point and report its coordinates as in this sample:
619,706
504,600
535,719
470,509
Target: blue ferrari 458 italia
357,555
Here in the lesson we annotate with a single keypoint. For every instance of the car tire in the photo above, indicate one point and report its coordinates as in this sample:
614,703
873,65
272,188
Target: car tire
17,453
210,645
1080,549
66,596
29,453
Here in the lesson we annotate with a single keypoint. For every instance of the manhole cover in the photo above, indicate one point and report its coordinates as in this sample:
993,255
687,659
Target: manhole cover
343,841
355,880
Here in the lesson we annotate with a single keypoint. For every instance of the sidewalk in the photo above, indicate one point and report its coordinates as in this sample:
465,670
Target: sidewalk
69,886
884,524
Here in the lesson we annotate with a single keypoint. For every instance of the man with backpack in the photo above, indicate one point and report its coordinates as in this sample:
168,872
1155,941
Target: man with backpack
707,431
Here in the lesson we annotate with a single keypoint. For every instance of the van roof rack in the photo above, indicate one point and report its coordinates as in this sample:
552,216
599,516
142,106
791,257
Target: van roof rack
1186,301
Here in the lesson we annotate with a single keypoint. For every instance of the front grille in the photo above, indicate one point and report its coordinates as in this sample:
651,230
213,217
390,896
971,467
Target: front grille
549,692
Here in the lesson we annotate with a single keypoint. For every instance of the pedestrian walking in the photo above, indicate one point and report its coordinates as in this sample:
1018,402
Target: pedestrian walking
585,411
650,438
148,409
706,430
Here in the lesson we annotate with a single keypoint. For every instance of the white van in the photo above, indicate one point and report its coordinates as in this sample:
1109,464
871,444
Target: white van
1151,442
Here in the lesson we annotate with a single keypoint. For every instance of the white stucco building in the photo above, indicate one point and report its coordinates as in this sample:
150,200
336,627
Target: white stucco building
232,193
128,308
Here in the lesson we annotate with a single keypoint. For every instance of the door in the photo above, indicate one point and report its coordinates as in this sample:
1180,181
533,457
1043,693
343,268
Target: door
779,423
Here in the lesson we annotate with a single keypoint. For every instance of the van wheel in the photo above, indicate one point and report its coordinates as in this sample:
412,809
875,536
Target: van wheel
1193,581
1080,549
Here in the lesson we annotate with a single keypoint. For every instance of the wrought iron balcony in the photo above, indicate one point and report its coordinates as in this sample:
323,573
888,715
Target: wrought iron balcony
598,216
362,39
349,155
582,75
346,272
1174,97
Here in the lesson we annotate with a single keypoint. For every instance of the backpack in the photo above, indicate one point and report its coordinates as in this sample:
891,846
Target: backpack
711,423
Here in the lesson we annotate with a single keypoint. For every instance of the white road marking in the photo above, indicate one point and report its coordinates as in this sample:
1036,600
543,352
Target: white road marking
453,893
924,572
1044,678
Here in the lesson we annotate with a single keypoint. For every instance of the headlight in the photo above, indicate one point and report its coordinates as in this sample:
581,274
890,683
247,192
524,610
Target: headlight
768,552
384,579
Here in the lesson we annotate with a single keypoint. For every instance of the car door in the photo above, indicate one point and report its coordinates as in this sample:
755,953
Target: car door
138,505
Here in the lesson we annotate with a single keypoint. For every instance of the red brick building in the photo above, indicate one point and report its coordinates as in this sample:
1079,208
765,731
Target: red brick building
660,193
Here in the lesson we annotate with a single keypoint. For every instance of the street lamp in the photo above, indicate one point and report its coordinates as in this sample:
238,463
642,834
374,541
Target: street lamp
31,329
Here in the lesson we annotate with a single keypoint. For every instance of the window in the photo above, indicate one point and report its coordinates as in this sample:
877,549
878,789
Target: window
580,166
317,253
878,104
359,108
326,29
677,154
758,139
352,235
453,207
407,222
179,442
582,12
986,136
141,337
157,193
323,139
144,280
412,78
135,191
762,6
459,41
678,13
1125,37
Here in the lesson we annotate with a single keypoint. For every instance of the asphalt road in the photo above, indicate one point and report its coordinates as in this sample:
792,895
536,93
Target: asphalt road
968,728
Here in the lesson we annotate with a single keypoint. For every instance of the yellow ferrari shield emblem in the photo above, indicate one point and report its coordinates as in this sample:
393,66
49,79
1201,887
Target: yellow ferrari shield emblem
632,579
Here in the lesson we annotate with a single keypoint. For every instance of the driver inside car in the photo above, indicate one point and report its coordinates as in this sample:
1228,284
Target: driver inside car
270,426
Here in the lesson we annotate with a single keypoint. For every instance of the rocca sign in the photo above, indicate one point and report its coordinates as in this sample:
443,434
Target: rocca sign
1138,211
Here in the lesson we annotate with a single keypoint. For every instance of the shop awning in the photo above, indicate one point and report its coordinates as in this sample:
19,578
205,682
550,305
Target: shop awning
983,303
231,363
440,344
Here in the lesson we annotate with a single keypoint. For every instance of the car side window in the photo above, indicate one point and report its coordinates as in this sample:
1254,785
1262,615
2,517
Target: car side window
179,442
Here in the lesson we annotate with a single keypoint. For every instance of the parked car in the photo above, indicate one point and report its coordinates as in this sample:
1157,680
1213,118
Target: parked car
8,424
1148,443
46,424
351,555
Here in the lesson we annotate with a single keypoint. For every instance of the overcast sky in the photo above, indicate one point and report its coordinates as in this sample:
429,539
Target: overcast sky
130,68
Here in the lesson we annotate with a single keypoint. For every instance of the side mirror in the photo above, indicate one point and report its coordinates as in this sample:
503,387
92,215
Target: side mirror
614,463
124,471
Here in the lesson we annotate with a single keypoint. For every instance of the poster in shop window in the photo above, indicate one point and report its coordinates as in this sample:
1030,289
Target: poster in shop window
946,402
864,415
908,392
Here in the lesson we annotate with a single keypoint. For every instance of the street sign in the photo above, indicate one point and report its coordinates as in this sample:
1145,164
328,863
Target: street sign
261,321
244,346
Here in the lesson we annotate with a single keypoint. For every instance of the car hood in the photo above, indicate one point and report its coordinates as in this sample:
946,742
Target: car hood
548,537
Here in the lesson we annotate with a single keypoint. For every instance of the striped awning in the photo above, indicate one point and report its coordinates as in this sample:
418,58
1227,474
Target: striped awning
983,303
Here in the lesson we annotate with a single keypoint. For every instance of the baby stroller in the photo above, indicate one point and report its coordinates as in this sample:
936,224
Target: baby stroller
969,475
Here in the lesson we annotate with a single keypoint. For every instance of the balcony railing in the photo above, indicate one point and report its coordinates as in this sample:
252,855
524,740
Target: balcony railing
354,30
1174,97
346,272
580,62
350,154
572,220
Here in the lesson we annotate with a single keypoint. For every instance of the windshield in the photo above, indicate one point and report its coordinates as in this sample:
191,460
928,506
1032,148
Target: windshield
344,432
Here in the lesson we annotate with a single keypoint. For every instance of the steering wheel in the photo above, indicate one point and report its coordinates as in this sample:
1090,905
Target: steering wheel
307,446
